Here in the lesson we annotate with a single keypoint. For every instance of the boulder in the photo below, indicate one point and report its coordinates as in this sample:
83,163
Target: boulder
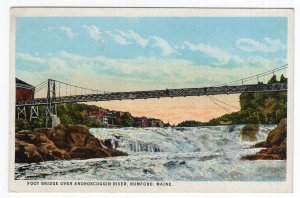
275,145
87,153
36,147
64,142
249,132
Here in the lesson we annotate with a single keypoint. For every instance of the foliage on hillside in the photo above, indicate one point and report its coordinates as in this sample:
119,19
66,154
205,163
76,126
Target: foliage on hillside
71,113
74,113
24,124
125,120
190,123
256,108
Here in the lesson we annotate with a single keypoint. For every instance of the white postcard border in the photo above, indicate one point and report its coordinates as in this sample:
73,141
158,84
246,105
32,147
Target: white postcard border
177,186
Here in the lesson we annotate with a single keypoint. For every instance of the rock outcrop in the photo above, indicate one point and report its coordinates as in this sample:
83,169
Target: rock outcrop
275,145
64,142
249,132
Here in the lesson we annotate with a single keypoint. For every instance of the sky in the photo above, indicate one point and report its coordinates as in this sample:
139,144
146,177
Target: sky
146,53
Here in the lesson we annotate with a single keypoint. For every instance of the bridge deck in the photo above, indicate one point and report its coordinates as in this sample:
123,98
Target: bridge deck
159,94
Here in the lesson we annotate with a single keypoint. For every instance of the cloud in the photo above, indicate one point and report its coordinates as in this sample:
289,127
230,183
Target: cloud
221,56
127,37
140,73
94,32
130,36
166,48
118,38
30,58
135,37
68,31
267,45
139,39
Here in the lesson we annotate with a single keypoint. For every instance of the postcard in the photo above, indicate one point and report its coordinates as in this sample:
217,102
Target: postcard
151,100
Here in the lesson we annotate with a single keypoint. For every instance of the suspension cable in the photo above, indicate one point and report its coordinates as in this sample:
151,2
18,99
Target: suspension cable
41,83
79,87
224,103
256,75
40,88
218,104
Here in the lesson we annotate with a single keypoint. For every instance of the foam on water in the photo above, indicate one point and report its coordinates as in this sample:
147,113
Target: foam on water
193,154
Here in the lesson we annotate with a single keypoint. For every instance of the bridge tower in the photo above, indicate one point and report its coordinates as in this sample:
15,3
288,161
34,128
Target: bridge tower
51,112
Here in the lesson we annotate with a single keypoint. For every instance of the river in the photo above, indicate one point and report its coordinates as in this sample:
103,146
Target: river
172,154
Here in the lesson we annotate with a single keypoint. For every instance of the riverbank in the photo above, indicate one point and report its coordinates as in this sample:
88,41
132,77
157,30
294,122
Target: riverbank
275,145
64,142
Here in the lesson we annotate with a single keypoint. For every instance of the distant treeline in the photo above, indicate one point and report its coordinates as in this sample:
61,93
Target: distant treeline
256,108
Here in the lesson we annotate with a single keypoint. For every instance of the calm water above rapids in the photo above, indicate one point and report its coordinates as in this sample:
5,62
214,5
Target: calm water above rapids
173,154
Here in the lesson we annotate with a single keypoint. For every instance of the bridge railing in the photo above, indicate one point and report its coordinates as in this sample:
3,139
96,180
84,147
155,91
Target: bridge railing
160,93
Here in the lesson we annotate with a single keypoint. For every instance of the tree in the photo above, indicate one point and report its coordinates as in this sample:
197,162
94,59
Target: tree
265,107
244,101
66,119
21,124
190,123
37,123
93,123
273,79
271,106
127,119
283,79
118,121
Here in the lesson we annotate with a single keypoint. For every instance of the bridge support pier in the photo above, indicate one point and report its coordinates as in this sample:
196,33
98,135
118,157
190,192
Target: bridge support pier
51,117
21,111
34,112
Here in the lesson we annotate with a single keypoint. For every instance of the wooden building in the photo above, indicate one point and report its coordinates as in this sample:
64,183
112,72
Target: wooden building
24,91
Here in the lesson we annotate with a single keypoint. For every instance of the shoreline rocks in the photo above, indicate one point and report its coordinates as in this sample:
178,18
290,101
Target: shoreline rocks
275,145
64,142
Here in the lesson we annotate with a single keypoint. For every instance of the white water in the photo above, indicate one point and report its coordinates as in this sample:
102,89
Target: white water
180,154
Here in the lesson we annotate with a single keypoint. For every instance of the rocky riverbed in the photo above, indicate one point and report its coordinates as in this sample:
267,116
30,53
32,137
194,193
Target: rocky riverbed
275,145
208,153
64,142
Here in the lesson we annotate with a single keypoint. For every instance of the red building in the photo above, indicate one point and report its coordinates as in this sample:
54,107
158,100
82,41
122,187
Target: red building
24,91
103,115
96,112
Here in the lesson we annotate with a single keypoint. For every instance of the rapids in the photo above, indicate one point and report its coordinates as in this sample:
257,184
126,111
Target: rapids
174,154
